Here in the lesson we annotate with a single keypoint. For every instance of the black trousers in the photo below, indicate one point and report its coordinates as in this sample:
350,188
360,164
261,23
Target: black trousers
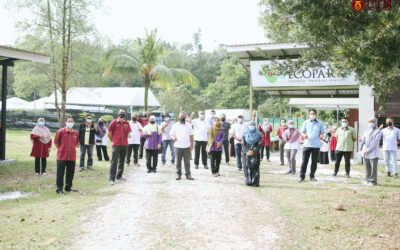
333,155
142,141
67,167
200,146
151,154
37,165
307,151
226,150
266,152
117,161
215,161
347,156
103,148
135,149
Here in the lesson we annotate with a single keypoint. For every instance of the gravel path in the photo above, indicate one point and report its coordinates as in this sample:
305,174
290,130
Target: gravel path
155,211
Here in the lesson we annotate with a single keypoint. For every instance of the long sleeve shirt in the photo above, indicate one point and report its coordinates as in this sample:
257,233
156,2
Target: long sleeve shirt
370,141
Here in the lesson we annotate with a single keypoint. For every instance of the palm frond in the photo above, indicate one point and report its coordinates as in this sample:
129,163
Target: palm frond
120,60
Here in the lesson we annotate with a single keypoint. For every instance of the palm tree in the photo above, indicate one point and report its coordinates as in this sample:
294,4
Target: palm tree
150,60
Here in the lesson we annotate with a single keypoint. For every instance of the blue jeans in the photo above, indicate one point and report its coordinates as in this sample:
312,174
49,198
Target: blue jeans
390,155
165,146
89,149
238,153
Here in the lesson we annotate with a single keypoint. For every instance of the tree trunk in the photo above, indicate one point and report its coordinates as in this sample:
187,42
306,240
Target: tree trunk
146,91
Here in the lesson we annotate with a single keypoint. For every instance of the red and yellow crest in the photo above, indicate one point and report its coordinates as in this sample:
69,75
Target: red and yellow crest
357,5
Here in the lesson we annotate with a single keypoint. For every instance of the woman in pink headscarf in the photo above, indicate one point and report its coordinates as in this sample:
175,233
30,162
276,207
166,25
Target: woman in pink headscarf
41,139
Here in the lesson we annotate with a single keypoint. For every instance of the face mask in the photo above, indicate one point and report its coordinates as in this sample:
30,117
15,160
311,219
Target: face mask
335,127
252,128
89,120
265,123
389,124
313,117
41,124
182,119
240,120
70,124
222,119
202,116
371,125
152,122
344,124
283,123
291,125
134,119
212,116
101,123
122,115
166,119
187,120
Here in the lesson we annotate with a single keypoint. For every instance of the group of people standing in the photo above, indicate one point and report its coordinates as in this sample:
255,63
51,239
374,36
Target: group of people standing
209,138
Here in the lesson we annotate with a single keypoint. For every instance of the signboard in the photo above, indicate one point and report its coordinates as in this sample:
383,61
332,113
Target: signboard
262,76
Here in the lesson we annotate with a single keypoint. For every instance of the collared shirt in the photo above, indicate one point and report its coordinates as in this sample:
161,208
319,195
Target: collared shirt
67,142
120,131
200,129
167,130
314,131
87,135
370,142
390,138
135,133
280,130
238,130
182,132
345,139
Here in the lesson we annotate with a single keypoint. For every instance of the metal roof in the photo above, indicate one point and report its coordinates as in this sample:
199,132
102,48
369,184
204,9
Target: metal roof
325,103
10,54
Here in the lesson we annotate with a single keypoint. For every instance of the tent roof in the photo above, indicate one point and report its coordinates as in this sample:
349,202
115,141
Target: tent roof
114,97
325,103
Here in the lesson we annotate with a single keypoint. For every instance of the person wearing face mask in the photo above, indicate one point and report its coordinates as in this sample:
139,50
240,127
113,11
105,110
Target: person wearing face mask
370,149
182,135
251,153
134,141
237,132
153,144
118,132
324,148
312,131
143,120
166,139
291,136
201,127
87,132
66,141
346,136
41,139
211,119
391,138
232,140
265,130
101,140
279,132
215,140
333,142
227,126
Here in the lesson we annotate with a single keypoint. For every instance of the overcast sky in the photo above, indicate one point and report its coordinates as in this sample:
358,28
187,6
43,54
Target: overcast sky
221,21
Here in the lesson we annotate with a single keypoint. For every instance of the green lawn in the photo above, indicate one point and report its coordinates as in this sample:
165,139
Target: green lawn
44,219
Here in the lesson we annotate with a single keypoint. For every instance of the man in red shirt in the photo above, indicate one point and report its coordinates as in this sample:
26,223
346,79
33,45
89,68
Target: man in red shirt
66,141
279,132
118,132
143,120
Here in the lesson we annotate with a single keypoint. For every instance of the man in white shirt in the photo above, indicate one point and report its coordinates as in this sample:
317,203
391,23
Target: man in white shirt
391,137
201,127
134,141
166,139
182,135
237,132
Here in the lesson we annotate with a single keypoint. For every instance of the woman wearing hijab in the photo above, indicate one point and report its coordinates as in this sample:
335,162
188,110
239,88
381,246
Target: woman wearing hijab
232,140
291,138
324,150
251,154
215,140
101,140
370,149
41,139
153,136
265,130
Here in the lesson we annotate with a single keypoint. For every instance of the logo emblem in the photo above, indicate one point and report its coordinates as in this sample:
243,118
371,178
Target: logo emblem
357,5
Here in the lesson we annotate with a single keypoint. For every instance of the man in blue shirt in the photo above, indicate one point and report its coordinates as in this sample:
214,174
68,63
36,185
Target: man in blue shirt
312,131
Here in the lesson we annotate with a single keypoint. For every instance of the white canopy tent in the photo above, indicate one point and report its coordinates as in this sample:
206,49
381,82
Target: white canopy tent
325,103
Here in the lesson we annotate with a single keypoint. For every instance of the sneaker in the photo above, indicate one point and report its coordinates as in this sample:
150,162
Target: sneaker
59,192
111,182
313,179
196,166
334,174
44,173
301,180
71,190
37,174
121,179
81,169
189,178
205,167
372,184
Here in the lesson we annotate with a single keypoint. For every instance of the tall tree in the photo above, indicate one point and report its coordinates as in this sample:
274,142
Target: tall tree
367,42
150,60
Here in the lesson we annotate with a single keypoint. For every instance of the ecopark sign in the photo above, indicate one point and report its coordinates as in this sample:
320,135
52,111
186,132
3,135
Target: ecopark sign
262,76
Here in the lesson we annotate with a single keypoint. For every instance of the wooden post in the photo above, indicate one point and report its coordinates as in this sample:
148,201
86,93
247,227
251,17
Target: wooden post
3,113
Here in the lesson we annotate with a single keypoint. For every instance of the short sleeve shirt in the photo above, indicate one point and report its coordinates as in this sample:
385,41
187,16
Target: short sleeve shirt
313,130
182,132
120,131
345,139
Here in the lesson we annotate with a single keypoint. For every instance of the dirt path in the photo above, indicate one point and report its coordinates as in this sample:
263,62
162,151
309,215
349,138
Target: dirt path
156,211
